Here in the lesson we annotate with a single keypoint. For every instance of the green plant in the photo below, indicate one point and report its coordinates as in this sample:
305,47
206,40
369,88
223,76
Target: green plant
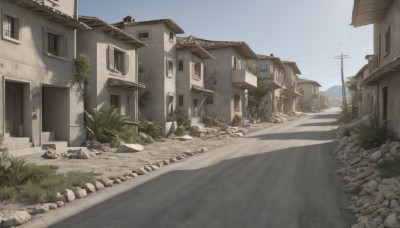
32,192
81,70
347,131
389,168
181,118
374,133
344,118
210,122
237,120
180,131
79,178
105,126
14,172
258,98
8,194
153,129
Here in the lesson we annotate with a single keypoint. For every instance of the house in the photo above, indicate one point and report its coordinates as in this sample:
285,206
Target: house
229,76
190,88
40,101
272,71
291,93
384,64
113,79
367,102
310,97
157,64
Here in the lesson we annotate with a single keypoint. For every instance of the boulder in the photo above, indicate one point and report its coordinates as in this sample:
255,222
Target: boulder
140,171
90,188
166,162
40,209
52,206
82,153
154,167
15,218
79,192
50,153
60,203
99,185
106,181
204,149
147,168
185,138
173,159
130,148
375,156
69,195
371,186
391,221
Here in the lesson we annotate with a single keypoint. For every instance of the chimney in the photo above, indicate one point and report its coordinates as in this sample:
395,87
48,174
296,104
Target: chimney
128,19
272,54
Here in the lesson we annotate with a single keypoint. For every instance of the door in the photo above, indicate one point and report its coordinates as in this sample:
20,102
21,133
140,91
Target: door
13,98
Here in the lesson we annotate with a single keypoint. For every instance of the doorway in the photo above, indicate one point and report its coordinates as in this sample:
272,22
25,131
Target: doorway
14,108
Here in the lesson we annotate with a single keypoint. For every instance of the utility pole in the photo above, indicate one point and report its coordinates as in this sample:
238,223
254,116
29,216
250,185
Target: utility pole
341,57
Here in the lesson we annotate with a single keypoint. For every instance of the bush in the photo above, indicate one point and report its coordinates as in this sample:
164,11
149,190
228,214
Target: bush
79,178
13,172
33,193
153,129
374,133
210,122
347,131
180,131
237,121
8,194
344,118
389,168
181,118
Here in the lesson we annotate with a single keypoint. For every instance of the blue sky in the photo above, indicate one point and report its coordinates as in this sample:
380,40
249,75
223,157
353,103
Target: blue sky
309,32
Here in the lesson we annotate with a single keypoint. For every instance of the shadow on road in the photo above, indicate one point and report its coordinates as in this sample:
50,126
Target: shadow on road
319,124
293,187
307,135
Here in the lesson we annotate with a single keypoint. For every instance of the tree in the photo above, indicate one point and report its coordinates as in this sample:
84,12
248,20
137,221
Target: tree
258,98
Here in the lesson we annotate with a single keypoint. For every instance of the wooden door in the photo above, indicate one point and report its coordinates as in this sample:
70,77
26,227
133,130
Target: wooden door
13,97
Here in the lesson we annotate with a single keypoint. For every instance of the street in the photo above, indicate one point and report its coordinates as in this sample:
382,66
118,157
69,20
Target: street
280,177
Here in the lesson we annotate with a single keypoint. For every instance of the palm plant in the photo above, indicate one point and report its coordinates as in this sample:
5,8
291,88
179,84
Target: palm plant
258,97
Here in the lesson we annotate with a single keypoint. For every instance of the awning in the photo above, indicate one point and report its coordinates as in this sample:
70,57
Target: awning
291,93
125,84
377,75
202,89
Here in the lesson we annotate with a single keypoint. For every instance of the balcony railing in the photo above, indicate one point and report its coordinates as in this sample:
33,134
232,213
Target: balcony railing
244,79
373,63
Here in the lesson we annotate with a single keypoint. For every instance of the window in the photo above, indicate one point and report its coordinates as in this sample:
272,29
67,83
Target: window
114,101
180,100
170,68
197,70
11,27
237,64
143,35
171,36
210,99
387,41
263,67
180,65
236,103
55,43
118,60
195,106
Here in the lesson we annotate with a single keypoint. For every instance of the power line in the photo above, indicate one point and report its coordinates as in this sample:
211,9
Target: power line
342,57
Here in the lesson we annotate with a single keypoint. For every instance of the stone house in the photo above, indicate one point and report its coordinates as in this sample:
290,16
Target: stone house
113,79
272,71
157,64
291,93
190,89
229,76
40,101
384,64
310,99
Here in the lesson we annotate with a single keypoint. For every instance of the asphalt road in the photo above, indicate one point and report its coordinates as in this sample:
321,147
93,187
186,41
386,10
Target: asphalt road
280,177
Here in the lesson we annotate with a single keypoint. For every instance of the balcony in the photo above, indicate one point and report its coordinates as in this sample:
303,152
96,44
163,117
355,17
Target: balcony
273,83
244,79
373,63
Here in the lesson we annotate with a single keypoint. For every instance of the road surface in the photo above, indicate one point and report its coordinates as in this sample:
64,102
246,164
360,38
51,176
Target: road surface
280,177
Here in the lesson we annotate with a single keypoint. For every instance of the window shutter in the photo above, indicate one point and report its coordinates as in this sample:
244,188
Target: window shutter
111,57
126,63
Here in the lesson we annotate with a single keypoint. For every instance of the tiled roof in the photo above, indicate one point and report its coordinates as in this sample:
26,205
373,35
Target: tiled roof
212,44
96,23
51,13
301,80
193,47
275,60
293,65
168,22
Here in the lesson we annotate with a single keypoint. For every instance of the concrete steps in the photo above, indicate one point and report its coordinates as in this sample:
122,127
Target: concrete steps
16,143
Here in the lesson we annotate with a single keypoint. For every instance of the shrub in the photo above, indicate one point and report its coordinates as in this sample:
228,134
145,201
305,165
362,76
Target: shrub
79,178
33,193
237,120
8,194
153,129
347,131
210,122
344,118
389,168
13,172
374,133
181,117
180,131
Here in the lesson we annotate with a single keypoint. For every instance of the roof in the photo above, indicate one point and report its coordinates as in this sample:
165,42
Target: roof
292,65
367,12
194,48
202,89
52,14
168,22
275,60
303,80
96,23
381,72
241,46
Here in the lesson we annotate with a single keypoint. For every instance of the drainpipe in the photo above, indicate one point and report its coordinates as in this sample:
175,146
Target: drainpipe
76,17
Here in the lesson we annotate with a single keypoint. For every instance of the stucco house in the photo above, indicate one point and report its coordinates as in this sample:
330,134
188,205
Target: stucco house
291,93
310,99
157,64
40,102
113,79
384,64
190,88
272,71
229,76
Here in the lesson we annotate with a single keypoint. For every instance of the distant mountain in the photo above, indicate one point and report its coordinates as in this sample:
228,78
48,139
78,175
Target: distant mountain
334,95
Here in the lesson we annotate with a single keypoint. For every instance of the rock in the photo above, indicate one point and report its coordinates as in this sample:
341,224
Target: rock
185,138
106,181
122,178
117,181
99,185
52,206
133,174
69,195
50,154
60,203
94,145
129,148
154,167
371,186
204,149
61,197
166,162
140,171
375,156
238,134
393,204
90,188
180,157
79,192
173,159
147,168
355,161
391,221
40,209
395,149
160,164
15,218
188,153
357,226
82,153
